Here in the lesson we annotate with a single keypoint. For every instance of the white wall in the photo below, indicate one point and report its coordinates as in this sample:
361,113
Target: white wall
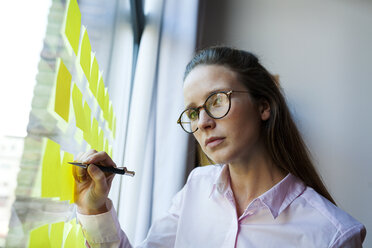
322,50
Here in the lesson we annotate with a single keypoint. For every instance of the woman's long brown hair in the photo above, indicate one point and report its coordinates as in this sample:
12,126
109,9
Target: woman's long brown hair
280,134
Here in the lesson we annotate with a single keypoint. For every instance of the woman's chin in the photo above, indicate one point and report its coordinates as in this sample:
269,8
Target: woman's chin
219,159
223,158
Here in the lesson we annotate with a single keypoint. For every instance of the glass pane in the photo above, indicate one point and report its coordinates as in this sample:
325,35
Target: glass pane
73,109
25,26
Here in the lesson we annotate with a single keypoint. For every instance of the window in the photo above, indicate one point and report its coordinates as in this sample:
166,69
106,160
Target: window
59,130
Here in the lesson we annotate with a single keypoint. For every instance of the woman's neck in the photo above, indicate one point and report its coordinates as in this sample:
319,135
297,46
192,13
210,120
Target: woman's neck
253,177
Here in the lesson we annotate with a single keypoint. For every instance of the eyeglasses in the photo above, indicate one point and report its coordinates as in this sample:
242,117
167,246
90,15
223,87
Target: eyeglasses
217,105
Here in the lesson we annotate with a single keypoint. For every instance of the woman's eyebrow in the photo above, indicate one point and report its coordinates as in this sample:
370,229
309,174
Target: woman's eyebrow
192,105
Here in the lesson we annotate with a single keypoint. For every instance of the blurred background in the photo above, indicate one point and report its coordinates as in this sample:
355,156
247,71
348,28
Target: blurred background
321,51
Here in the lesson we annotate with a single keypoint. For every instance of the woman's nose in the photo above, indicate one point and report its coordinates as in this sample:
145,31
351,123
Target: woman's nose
205,121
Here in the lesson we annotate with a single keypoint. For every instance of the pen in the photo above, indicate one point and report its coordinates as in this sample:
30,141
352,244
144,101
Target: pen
122,171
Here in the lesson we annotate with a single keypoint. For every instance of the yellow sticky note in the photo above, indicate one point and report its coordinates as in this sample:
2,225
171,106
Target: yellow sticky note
110,151
94,134
72,24
77,101
70,240
68,181
94,76
101,93
50,170
63,89
39,237
110,116
114,127
87,113
56,234
106,145
100,140
85,52
80,240
106,105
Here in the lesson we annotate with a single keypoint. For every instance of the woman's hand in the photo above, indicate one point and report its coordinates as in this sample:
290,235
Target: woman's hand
92,185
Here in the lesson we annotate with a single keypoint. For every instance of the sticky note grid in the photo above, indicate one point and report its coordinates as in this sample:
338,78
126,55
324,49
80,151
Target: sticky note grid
58,234
76,98
86,101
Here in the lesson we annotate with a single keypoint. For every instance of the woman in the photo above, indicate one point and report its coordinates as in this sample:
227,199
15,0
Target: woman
265,192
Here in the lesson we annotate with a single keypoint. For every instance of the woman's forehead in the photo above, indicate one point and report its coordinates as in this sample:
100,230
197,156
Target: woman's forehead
205,79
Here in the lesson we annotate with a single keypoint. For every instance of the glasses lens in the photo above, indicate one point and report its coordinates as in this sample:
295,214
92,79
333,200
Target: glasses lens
218,105
189,120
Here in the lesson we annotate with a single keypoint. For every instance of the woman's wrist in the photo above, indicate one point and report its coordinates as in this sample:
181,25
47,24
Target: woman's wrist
93,211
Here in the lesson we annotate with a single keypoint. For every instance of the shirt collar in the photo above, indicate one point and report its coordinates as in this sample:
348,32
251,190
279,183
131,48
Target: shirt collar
222,182
275,199
282,194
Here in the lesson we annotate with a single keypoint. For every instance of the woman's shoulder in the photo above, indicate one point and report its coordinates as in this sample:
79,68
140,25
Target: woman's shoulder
342,222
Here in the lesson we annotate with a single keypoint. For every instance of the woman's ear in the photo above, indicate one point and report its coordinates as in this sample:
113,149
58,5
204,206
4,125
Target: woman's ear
264,108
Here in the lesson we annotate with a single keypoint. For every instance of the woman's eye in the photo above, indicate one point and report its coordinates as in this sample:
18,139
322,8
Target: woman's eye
193,115
217,101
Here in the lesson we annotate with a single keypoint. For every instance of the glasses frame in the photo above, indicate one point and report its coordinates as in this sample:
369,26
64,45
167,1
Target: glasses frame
197,109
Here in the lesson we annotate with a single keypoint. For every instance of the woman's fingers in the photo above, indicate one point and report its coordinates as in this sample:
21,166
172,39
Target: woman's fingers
100,157
86,155
109,179
99,179
93,157
78,157
81,174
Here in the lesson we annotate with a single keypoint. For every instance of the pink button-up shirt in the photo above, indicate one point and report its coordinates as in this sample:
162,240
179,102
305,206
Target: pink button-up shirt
203,214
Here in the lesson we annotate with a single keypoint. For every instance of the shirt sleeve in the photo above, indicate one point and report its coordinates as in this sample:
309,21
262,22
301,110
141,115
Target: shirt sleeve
352,238
103,230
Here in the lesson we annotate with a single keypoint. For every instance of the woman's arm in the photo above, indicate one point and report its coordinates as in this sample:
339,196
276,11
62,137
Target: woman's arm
103,230
98,217
95,212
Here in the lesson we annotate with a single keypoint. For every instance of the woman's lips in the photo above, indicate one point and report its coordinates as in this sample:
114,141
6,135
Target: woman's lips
213,142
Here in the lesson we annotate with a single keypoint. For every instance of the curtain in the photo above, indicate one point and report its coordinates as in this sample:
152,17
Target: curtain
156,148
